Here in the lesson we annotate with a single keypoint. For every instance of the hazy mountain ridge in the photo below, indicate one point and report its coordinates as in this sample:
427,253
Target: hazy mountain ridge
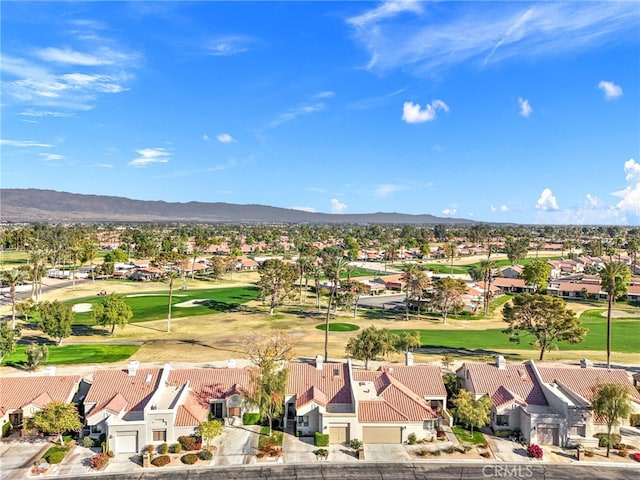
36,205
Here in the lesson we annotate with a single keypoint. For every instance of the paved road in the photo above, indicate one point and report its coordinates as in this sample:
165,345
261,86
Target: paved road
377,471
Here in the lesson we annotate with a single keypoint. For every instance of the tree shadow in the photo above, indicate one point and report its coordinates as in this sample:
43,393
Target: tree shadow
221,307
467,352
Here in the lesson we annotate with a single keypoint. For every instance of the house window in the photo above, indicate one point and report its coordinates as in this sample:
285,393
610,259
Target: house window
160,435
94,429
502,420
427,425
303,421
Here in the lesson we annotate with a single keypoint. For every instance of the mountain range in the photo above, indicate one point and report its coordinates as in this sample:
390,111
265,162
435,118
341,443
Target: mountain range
37,205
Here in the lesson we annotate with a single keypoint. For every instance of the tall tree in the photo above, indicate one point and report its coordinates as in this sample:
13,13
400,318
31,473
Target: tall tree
536,273
546,318
611,403
56,319
486,268
113,310
471,412
615,281
57,418
171,276
13,278
36,354
516,249
333,268
447,295
276,282
316,273
303,264
415,282
408,340
209,430
8,338
369,344
450,251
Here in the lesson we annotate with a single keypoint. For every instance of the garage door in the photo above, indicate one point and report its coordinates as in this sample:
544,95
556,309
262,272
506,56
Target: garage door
126,442
548,436
382,435
338,433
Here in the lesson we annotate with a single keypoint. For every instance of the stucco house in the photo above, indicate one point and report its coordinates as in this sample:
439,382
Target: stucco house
22,397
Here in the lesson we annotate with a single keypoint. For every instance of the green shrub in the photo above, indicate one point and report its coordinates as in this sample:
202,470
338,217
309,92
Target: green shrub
450,449
6,429
436,453
321,439
634,420
205,455
322,452
611,440
163,449
161,461
176,448
189,458
251,418
87,442
190,442
355,444
411,439
56,456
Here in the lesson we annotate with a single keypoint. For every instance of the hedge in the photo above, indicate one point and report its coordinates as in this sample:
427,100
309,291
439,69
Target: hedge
603,439
161,461
205,455
56,457
251,418
190,442
321,439
6,429
189,459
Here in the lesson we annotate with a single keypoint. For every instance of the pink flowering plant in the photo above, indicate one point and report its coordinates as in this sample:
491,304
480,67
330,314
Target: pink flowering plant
535,451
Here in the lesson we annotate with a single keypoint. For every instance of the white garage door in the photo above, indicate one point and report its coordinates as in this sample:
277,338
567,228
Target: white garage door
382,435
548,436
338,433
126,442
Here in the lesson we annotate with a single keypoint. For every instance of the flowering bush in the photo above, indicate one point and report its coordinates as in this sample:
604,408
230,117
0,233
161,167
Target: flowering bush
636,456
535,451
99,461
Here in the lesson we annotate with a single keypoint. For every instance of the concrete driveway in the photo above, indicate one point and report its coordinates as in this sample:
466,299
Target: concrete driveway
302,450
18,454
237,445
385,452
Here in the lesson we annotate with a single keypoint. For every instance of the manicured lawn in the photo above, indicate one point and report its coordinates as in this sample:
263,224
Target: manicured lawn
154,305
275,438
76,354
12,259
339,327
624,336
464,435
445,268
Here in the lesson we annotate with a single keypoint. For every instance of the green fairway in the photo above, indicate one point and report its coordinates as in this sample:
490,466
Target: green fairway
154,305
76,354
624,337
12,259
444,268
339,327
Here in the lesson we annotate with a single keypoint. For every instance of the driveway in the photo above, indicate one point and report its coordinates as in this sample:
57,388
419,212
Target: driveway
18,454
301,450
237,445
385,452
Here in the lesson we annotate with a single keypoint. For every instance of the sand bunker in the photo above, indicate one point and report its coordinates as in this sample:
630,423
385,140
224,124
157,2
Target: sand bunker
82,307
621,314
193,303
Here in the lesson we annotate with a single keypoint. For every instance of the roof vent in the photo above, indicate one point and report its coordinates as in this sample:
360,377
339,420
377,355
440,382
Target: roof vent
501,363
231,363
319,362
408,357
390,370
148,378
133,367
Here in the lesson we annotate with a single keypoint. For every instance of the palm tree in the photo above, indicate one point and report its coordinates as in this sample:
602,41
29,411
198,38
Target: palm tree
486,268
415,281
615,277
316,273
37,257
303,267
333,269
12,278
171,276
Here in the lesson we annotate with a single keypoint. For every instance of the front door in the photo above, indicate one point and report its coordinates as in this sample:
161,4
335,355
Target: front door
216,410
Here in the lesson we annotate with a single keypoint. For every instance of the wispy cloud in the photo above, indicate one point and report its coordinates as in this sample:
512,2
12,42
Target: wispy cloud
525,107
150,155
205,137
414,113
610,89
547,202
385,190
99,57
45,113
304,209
225,138
229,45
485,33
231,163
449,211
23,143
325,94
294,113
337,206
51,156
104,165
374,102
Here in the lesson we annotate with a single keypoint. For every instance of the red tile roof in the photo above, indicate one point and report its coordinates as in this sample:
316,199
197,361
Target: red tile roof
17,392
518,380
134,389
213,383
192,412
425,380
332,381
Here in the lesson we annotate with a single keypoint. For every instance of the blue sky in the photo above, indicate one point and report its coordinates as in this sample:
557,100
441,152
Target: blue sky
524,112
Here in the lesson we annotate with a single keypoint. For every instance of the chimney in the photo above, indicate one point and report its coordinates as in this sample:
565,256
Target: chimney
408,359
231,363
501,363
319,362
133,367
586,363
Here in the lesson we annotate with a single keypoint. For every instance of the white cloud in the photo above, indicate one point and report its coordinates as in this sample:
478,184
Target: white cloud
102,56
630,203
493,209
294,113
374,102
387,189
225,138
150,155
485,32
205,137
45,113
504,208
325,94
610,89
304,209
449,211
413,112
547,202
104,165
632,171
229,45
593,202
337,206
51,156
525,107
23,143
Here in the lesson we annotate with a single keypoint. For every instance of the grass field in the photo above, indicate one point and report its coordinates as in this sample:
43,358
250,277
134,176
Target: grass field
339,327
464,435
76,354
624,337
154,305
12,259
